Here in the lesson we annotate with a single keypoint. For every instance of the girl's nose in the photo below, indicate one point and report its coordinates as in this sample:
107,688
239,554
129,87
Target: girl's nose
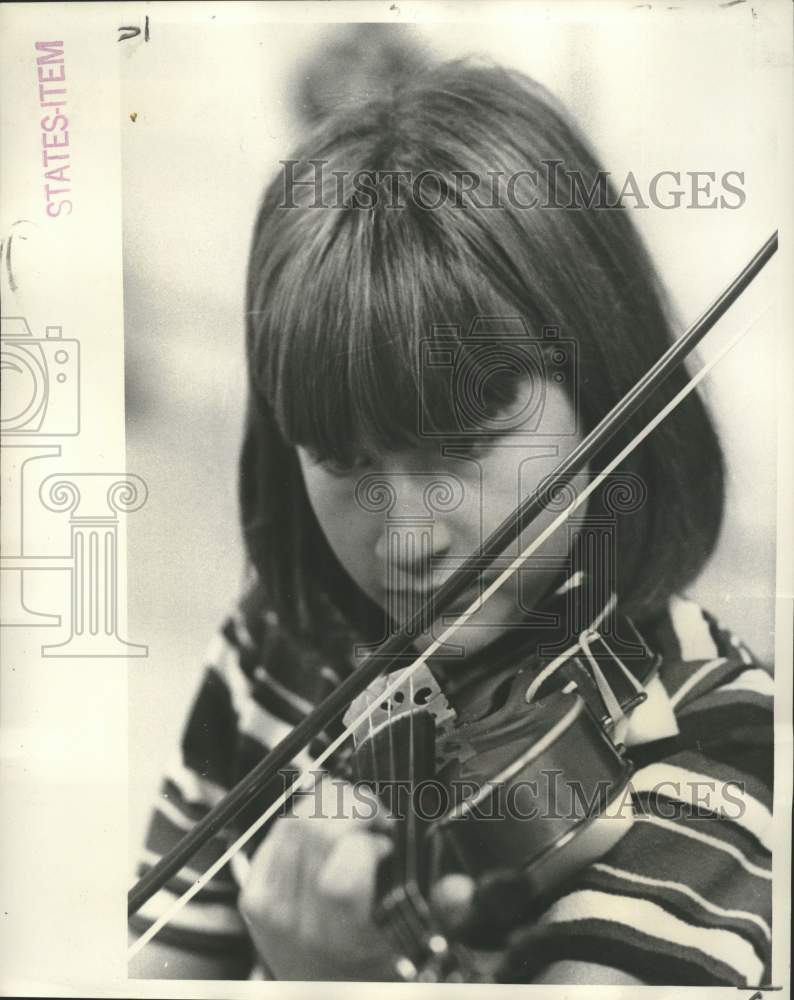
409,546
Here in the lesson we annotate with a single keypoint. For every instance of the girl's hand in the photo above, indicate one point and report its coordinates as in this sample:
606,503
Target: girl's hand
309,895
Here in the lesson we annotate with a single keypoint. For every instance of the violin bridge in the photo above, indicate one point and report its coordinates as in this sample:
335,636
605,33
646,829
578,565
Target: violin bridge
375,708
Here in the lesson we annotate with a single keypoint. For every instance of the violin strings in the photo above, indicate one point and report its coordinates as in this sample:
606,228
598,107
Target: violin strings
461,619
411,847
406,905
413,907
401,932
401,938
411,935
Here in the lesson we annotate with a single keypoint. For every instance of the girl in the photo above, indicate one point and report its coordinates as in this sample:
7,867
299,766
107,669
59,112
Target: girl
444,289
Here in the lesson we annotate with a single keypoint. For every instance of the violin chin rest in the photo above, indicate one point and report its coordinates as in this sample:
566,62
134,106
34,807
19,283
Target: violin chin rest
579,848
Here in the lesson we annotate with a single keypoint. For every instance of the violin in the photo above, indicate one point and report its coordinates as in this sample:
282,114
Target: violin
571,715
493,768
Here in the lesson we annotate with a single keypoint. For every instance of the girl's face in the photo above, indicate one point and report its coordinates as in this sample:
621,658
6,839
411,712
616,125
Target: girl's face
399,537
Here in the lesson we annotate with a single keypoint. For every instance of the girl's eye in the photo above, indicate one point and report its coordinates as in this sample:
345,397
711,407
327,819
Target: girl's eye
341,470
476,447
336,469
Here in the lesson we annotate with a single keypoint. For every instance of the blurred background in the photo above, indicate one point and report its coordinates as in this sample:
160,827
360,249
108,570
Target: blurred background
209,107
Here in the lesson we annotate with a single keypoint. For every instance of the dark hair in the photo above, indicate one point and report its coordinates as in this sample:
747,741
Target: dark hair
338,299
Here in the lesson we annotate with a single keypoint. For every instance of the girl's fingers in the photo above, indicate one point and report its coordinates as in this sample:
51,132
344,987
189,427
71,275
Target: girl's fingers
333,801
482,914
347,876
452,898
271,878
310,890
343,927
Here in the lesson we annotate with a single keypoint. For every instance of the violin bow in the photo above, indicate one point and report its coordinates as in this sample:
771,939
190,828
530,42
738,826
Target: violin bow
395,646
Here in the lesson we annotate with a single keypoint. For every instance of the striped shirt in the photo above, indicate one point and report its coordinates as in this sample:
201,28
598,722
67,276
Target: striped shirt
683,898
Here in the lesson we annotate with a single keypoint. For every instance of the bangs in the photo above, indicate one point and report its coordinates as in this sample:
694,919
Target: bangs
358,334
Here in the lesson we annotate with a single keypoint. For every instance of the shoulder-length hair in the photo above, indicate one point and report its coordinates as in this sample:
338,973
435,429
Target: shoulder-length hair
346,278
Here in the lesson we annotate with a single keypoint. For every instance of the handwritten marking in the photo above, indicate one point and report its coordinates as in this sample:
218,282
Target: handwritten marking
128,31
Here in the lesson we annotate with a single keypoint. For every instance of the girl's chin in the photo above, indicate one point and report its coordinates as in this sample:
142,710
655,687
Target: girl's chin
495,617
470,638
482,628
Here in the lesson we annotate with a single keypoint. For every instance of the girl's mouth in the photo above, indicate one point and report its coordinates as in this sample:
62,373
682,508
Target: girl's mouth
419,594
